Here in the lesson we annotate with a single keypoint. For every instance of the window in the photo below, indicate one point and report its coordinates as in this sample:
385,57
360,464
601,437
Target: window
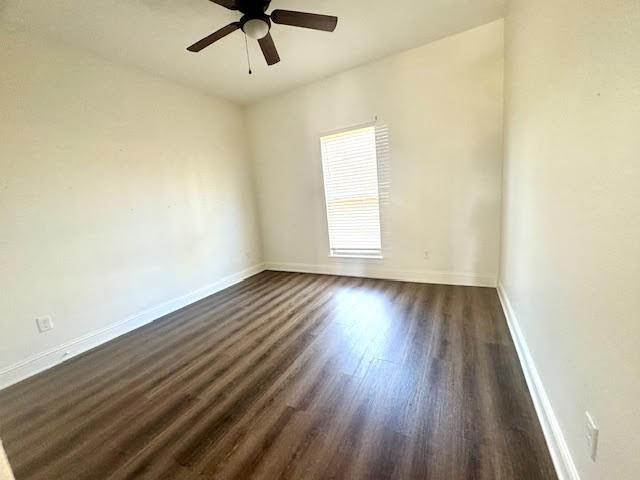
349,162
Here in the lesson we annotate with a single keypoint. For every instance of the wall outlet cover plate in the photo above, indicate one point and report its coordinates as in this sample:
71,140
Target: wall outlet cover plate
44,323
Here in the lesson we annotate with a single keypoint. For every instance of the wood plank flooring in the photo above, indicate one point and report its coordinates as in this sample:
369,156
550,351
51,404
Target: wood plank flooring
290,376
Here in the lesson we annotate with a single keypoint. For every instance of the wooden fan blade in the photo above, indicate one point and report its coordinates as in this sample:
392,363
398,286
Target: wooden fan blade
230,4
325,23
214,37
269,50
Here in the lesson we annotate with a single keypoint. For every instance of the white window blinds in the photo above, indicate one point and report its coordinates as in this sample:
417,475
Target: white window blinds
351,191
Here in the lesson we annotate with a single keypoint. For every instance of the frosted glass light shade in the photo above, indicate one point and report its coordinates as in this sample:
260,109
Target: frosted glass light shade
256,28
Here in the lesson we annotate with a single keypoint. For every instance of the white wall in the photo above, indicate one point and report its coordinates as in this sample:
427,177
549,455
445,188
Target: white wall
119,192
442,104
571,254
5,468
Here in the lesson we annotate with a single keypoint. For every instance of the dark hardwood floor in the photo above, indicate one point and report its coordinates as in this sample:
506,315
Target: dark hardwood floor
290,376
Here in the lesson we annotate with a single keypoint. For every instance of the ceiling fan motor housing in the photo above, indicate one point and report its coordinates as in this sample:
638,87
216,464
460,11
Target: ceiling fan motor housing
253,7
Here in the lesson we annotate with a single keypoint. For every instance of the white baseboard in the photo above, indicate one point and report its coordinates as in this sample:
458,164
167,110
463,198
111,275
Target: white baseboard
357,269
49,358
560,454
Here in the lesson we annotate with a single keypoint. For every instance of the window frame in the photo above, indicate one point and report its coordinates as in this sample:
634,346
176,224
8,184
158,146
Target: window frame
356,254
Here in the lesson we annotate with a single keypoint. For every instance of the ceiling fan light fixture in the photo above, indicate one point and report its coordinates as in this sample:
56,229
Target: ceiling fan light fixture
256,28
256,23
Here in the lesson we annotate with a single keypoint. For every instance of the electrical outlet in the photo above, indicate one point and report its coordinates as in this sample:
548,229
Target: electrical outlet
427,255
592,436
44,323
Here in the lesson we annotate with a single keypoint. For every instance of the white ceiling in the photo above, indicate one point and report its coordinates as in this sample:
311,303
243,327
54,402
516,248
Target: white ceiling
154,34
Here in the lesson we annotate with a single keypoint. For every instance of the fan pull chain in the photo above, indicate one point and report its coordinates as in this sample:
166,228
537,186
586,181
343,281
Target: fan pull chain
246,46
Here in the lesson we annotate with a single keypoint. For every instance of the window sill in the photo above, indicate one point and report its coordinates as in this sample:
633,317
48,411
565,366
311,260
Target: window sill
357,257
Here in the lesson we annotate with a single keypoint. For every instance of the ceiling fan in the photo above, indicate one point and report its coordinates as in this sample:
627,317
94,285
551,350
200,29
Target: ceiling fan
256,24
